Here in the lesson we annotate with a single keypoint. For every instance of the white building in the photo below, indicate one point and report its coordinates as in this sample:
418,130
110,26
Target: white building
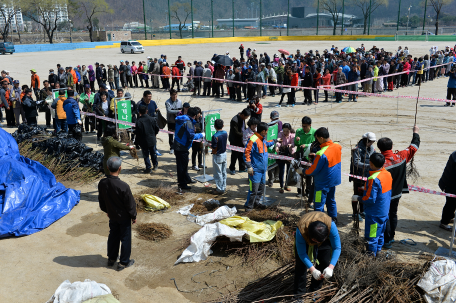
16,21
62,13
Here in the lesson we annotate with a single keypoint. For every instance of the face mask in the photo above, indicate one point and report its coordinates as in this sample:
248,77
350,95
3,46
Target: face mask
51,73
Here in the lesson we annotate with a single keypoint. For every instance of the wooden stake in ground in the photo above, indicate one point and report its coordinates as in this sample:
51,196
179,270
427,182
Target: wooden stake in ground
412,171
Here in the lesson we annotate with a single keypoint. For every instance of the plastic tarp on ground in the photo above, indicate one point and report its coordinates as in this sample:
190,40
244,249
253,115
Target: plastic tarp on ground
30,197
439,282
220,213
154,203
258,231
79,292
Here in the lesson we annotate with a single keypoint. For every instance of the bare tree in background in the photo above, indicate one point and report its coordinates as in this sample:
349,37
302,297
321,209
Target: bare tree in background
178,11
437,5
365,6
90,9
45,13
333,7
8,10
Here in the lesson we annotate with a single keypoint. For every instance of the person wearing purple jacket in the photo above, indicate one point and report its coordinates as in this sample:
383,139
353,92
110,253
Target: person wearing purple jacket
92,78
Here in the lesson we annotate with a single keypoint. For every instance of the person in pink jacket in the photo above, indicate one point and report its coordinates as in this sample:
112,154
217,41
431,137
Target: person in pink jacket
285,147
134,73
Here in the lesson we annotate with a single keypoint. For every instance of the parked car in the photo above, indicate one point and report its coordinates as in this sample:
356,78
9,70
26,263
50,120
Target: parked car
7,47
428,33
131,46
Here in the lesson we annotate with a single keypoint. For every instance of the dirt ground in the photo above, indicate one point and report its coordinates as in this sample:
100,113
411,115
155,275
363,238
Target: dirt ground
74,247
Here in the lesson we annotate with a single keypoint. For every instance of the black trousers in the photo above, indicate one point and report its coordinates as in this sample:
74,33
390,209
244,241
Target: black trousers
391,223
119,232
197,150
129,82
135,80
197,86
448,210
357,184
171,128
239,156
207,89
251,92
48,115
244,90
89,121
323,255
99,82
10,121
183,179
271,88
238,93
175,81
451,92
31,121
307,95
232,92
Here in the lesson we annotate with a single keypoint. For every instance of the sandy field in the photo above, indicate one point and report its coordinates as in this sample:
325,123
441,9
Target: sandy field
74,247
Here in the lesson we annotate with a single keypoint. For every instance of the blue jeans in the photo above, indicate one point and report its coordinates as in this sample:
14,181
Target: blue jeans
326,196
374,233
219,164
146,151
116,82
61,124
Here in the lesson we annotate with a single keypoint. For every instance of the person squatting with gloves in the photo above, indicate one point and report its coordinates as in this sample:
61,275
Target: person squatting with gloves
376,200
256,159
317,242
326,170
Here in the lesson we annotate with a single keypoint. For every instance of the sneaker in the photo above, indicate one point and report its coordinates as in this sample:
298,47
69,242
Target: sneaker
193,181
155,167
186,187
171,151
201,166
360,219
278,105
452,104
363,215
270,183
194,167
292,105
243,171
158,153
445,227
111,262
121,266
232,172
447,104
87,133
92,132
288,105
147,171
387,245
287,188
281,190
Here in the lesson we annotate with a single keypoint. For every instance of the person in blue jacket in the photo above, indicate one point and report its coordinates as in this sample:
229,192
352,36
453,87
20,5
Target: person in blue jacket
71,108
376,200
451,86
317,250
183,139
256,159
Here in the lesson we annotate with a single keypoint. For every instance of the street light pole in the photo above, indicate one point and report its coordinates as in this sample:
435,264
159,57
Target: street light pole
261,11
318,14
408,18
233,15
71,38
370,12
144,14
212,15
424,21
169,20
191,9
288,17
398,16
343,13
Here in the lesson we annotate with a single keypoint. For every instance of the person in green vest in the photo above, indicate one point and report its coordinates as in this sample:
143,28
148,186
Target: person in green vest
111,146
304,138
86,99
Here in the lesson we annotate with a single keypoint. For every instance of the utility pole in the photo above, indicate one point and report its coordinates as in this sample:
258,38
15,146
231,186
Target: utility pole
191,9
145,26
370,12
233,15
424,21
318,14
169,20
343,13
398,16
288,16
261,11
212,14
408,18
71,38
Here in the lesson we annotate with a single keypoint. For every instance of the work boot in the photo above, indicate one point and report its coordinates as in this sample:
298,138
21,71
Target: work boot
121,266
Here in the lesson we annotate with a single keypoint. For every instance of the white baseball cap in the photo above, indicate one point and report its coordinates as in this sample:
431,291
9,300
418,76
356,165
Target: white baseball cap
370,136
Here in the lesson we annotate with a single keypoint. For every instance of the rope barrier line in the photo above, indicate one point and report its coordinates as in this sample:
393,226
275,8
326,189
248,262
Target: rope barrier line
280,157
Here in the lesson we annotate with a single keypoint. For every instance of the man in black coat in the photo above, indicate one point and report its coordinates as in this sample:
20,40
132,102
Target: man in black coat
237,126
99,74
447,183
115,199
146,137
30,108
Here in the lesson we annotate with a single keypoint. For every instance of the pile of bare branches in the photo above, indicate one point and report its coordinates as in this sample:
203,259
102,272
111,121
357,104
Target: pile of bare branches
153,231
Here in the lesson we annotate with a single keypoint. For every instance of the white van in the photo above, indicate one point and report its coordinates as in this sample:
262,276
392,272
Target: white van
131,46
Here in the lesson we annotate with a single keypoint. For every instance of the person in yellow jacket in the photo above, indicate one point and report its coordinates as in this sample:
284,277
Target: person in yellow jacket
60,123
120,94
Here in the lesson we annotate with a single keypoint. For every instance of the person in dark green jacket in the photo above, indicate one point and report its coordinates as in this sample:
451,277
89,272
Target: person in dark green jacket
304,137
111,147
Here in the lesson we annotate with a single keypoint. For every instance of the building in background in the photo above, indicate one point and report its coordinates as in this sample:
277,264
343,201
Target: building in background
17,22
238,23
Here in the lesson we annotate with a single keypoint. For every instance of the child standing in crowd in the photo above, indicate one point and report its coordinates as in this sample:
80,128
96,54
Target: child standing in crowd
218,144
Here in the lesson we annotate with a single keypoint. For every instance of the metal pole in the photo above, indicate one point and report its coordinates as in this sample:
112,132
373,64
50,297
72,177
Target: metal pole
233,16
169,20
204,148
370,11
288,17
212,15
144,14
191,8
343,13
318,14
398,16
261,11
424,21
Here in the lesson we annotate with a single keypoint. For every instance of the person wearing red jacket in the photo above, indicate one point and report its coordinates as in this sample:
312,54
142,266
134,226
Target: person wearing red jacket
176,75
294,83
396,164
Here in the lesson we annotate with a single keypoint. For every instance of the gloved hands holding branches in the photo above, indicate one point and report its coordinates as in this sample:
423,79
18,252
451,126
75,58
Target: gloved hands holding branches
328,272
316,274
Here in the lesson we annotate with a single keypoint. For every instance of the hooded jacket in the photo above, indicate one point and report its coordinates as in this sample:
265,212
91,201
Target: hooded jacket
72,111
359,165
377,194
185,133
29,107
58,106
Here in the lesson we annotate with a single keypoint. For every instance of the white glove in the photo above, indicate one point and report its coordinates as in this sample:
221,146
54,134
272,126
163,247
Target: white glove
355,198
132,147
327,273
316,274
79,121
250,171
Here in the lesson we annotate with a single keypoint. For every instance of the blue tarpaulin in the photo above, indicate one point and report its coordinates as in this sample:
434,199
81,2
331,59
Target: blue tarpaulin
30,197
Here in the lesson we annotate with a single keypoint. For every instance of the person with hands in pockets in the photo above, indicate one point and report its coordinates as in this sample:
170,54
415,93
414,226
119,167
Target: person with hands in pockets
317,249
